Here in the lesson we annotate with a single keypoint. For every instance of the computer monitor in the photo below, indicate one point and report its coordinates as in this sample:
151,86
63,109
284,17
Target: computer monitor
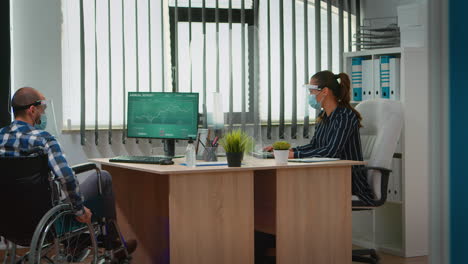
159,115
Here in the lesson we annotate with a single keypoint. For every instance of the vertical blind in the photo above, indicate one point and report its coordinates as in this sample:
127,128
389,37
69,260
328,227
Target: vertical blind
253,55
6,66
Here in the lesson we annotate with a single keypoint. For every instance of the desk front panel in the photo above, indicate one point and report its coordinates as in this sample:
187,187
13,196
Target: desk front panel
309,211
207,215
211,218
186,218
142,201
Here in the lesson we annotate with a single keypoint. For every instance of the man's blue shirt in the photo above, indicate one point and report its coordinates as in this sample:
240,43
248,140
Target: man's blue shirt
19,136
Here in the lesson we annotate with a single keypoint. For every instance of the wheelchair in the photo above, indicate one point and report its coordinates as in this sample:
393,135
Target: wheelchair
35,217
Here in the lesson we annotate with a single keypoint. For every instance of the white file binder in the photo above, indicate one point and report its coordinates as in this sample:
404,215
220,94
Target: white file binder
385,77
356,79
391,183
367,80
397,180
376,86
395,78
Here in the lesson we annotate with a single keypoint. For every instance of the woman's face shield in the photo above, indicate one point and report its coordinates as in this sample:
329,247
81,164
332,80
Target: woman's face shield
312,88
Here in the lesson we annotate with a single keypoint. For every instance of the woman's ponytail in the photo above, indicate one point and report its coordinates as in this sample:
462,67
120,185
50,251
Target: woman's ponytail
344,99
345,89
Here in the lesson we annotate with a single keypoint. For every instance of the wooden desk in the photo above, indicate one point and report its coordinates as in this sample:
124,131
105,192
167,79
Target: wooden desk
206,214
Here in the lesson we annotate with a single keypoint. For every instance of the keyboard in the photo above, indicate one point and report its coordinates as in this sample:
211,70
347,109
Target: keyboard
139,159
263,154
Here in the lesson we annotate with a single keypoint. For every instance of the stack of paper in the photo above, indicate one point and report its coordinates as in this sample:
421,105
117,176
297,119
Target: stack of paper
314,159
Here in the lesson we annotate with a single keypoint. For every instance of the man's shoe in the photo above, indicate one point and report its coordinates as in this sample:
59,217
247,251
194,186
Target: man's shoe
131,246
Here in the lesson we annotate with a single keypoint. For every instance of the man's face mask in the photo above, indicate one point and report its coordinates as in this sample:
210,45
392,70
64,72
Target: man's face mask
41,121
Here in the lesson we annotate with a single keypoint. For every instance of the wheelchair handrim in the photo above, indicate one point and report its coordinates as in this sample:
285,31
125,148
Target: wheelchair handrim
49,219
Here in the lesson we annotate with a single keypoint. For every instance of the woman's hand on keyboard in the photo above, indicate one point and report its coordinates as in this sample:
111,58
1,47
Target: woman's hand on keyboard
268,148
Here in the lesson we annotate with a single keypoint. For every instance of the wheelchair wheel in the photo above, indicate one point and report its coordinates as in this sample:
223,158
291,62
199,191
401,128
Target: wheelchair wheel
60,239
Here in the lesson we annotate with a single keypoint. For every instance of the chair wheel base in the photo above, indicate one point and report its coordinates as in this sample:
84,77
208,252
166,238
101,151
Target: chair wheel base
366,256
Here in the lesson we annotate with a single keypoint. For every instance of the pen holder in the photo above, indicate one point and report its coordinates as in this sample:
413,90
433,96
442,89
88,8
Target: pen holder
209,154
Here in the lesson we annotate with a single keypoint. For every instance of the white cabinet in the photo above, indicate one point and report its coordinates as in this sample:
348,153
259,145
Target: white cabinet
401,226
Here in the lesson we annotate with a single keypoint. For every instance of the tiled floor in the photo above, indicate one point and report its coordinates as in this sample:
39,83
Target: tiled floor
385,259
389,259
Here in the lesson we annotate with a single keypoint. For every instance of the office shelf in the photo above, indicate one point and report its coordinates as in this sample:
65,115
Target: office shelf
395,202
401,225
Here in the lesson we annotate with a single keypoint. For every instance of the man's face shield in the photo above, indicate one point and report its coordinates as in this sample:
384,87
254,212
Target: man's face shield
43,107
48,108
40,104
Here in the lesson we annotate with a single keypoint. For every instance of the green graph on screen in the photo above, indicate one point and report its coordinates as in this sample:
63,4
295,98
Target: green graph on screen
162,115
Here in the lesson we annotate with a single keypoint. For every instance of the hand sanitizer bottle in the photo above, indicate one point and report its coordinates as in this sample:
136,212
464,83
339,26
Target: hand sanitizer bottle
190,156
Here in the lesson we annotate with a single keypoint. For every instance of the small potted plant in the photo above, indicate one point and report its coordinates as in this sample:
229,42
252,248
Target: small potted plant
281,151
235,143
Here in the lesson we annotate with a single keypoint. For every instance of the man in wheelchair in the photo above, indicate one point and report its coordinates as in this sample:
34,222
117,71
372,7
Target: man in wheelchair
79,226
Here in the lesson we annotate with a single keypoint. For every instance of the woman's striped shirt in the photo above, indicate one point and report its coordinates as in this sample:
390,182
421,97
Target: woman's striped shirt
337,136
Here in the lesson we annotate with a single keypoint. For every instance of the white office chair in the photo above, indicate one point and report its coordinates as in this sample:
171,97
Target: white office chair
382,121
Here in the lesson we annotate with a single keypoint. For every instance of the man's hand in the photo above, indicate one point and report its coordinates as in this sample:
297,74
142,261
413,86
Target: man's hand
291,154
268,148
86,217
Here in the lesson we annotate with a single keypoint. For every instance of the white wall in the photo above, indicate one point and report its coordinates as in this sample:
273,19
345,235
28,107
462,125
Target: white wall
383,8
37,59
37,62
438,25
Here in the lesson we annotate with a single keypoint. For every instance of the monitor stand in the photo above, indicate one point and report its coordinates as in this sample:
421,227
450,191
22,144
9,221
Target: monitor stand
169,147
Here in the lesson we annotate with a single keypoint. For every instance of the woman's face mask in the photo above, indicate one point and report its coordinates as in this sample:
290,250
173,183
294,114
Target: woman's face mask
313,101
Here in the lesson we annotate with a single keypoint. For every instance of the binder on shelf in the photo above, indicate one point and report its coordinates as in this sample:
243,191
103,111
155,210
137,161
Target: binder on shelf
376,86
385,76
395,78
356,78
397,180
391,183
398,147
394,181
367,80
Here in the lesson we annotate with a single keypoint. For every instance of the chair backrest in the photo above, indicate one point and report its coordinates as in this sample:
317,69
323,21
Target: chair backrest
382,121
25,195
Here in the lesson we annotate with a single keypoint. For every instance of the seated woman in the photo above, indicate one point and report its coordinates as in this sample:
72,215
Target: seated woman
337,129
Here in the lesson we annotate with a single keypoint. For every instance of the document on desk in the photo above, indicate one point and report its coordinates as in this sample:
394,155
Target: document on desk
313,159
208,163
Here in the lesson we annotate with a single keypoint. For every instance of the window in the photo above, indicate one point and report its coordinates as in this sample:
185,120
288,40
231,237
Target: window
116,60
185,53
131,45
219,60
301,78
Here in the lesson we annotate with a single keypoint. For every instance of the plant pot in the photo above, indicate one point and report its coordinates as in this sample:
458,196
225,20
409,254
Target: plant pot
234,159
281,156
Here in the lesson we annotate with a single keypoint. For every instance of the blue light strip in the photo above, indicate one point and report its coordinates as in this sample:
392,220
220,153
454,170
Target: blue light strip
458,67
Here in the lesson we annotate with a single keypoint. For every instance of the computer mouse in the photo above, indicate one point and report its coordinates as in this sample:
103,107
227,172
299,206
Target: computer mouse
166,162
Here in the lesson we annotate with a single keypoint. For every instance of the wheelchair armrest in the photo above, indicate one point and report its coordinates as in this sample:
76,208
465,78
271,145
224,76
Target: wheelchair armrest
80,168
84,167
